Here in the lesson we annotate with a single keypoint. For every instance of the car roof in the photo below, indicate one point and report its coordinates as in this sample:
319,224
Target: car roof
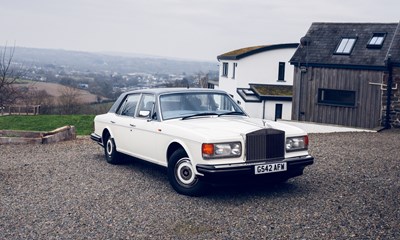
158,91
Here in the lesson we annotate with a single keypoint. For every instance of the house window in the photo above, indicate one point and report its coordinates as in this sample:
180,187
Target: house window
225,69
281,71
377,40
336,97
345,46
234,70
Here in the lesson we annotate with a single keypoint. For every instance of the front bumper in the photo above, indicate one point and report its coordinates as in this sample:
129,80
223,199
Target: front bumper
95,137
242,172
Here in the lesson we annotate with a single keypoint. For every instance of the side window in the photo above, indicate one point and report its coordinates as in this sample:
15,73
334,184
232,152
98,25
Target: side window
336,97
146,107
281,71
128,107
225,69
234,70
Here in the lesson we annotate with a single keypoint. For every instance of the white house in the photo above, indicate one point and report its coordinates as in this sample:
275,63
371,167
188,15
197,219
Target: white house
260,79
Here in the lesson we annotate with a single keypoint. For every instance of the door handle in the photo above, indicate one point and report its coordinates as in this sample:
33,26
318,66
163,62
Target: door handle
112,121
132,125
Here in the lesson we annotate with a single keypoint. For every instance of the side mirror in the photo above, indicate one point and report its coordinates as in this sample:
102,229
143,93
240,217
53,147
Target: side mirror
144,113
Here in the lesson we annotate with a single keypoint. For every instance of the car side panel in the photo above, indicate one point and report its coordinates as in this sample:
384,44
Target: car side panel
121,129
147,142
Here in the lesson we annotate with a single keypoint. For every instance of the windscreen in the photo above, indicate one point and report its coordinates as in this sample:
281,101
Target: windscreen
181,105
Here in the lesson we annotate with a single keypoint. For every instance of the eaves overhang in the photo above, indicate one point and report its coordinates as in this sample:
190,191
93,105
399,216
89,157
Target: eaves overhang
339,66
245,52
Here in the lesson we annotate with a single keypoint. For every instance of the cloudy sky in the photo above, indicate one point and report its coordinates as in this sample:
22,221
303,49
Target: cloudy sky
189,29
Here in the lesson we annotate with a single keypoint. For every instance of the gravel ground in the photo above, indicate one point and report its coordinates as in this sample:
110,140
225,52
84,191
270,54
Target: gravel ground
68,191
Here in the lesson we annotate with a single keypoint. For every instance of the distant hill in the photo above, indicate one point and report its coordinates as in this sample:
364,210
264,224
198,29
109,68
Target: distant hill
112,62
56,90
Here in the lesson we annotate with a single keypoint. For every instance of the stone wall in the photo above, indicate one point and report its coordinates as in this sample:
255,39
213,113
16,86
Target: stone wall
25,137
395,99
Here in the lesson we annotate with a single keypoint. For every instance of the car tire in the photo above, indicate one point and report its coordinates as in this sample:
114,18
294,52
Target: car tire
181,175
110,151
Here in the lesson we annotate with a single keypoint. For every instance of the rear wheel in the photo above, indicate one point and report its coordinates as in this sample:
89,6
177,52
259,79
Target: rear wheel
181,175
110,151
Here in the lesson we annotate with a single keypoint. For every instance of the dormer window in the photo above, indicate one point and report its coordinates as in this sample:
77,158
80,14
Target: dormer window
345,46
377,40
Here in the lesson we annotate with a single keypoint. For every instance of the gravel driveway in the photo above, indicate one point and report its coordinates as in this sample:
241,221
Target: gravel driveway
68,191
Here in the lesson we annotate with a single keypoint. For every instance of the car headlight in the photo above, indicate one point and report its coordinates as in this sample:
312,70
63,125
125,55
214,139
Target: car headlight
296,143
221,150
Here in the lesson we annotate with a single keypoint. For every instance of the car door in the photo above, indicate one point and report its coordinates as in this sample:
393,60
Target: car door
122,123
145,131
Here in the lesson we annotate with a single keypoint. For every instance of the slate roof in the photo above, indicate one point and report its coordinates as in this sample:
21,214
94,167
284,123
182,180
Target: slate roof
320,42
248,51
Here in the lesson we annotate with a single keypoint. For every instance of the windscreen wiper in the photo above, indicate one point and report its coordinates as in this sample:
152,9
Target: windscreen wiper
232,113
200,114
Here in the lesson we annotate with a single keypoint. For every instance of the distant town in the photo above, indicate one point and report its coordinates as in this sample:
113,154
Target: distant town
108,75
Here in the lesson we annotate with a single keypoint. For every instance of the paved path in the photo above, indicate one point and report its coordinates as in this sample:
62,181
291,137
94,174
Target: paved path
323,128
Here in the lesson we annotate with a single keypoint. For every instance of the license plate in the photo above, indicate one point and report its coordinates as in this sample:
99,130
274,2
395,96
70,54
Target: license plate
270,168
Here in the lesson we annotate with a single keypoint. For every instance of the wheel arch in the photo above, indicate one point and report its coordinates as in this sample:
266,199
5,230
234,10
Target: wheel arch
105,134
173,147
189,150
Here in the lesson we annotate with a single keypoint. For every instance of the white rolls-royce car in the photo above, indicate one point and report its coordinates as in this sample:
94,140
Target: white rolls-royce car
202,137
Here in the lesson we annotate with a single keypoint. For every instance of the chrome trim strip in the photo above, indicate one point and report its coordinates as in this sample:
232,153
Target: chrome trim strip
234,165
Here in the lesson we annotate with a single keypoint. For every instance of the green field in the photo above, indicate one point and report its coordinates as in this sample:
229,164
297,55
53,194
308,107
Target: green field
82,123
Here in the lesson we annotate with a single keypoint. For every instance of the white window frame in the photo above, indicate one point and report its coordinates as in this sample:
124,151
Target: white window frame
346,45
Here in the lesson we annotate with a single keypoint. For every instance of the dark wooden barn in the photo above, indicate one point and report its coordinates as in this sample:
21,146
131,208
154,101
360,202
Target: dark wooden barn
344,73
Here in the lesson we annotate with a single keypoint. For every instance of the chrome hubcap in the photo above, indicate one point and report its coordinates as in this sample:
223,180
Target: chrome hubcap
109,147
184,173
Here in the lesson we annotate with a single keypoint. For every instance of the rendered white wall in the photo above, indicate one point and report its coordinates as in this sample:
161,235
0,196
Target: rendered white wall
256,109
270,110
263,68
260,68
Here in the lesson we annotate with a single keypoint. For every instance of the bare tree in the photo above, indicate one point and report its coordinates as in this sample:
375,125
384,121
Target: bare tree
9,75
203,80
69,100
39,97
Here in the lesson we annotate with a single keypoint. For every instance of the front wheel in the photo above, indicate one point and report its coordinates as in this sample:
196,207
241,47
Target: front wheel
181,175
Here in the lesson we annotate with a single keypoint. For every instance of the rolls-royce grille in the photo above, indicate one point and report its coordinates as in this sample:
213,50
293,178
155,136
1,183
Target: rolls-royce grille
265,144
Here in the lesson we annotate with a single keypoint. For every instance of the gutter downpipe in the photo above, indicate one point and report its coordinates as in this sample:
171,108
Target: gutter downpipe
389,92
263,109
299,93
304,42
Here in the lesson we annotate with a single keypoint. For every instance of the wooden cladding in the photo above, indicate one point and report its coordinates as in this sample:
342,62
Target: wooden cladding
362,100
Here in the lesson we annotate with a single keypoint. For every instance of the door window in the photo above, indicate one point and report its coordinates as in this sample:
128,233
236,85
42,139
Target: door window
128,107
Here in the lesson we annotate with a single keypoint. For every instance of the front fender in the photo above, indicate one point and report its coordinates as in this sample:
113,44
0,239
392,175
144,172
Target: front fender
192,149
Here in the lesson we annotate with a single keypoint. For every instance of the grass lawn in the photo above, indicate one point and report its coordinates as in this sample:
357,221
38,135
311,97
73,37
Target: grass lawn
82,123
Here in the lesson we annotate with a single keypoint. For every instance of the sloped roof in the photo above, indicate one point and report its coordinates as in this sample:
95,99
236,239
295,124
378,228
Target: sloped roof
322,39
259,92
272,90
248,51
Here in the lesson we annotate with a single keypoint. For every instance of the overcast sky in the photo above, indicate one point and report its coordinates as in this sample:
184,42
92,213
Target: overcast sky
189,29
